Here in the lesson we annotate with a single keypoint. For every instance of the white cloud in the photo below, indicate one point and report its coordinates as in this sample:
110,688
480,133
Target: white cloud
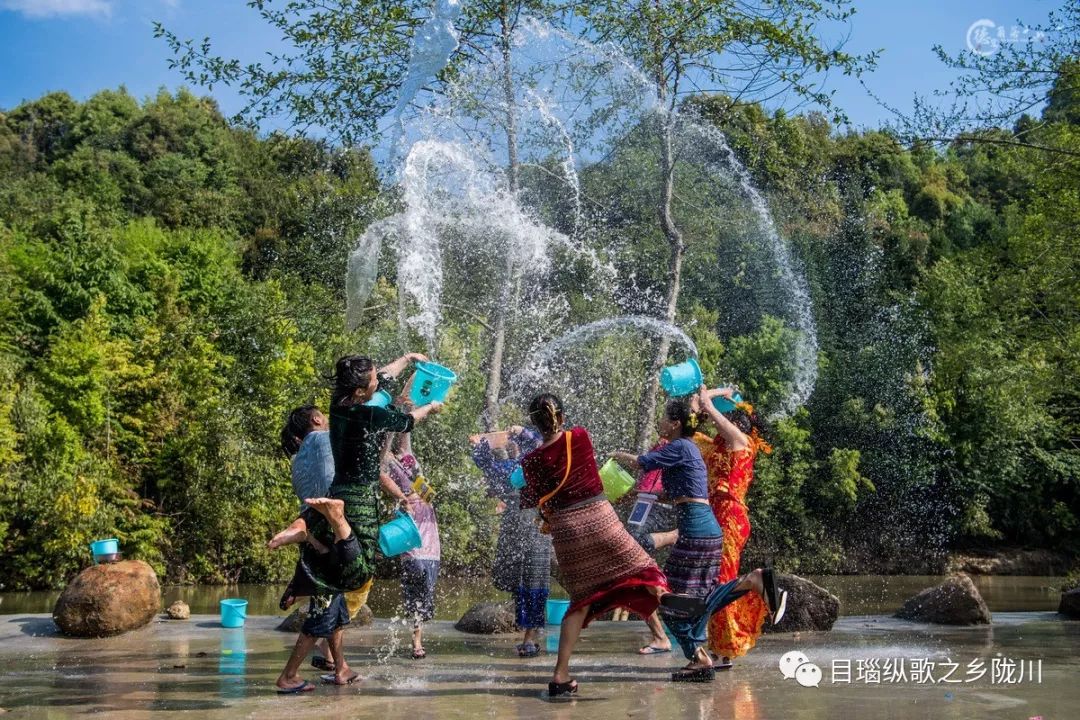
57,8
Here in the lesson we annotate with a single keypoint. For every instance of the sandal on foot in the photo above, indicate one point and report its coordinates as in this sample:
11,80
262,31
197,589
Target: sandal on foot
776,598
288,598
419,654
724,664
303,687
332,679
694,675
653,650
528,650
567,688
320,663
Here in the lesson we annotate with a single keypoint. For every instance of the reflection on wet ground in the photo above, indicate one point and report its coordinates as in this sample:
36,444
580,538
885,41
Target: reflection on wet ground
174,668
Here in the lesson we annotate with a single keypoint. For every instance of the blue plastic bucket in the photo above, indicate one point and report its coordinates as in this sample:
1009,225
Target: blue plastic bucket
381,398
233,612
104,548
555,611
724,405
399,535
682,379
431,383
517,478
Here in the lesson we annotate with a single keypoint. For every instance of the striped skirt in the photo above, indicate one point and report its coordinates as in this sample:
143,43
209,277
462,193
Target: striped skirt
694,564
602,566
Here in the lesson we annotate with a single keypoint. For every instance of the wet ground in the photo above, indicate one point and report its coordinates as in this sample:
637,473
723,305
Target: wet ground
1028,661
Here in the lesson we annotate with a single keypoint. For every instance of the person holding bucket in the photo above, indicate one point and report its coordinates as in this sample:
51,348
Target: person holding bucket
522,553
694,563
419,566
346,520
305,440
730,457
602,566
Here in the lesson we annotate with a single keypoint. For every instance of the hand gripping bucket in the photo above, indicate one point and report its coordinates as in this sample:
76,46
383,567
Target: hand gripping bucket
431,383
517,478
381,398
555,611
724,405
233,612
682,379
617,482
399,535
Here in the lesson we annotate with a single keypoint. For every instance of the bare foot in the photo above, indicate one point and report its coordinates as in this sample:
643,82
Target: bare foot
292,535
332,510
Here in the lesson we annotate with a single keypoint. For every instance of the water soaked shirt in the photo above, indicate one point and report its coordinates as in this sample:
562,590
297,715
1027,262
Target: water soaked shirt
313,467
682,469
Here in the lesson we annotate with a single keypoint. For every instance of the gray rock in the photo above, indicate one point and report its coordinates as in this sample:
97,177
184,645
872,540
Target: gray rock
487,618
809,606
1070,604
109,599
179,610
954,602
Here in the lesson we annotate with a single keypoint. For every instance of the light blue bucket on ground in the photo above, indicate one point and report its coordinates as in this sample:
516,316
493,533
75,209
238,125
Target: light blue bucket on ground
517,478
682,379
233,612
431,383
381,398
724,405
100,548
555,610
399,535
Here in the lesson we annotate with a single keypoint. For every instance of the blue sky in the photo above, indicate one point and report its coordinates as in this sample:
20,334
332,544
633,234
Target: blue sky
83,46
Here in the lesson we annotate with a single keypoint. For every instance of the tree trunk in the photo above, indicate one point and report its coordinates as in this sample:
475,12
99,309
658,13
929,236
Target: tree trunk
511,290
647,407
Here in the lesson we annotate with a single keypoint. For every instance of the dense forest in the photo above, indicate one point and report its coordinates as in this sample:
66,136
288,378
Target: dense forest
172,283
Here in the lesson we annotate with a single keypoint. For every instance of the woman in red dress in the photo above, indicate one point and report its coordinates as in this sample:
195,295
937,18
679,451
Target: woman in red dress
730,456
602,566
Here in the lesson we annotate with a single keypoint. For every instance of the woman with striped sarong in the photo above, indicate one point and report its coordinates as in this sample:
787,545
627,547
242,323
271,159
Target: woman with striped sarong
602,566
693,566
729,457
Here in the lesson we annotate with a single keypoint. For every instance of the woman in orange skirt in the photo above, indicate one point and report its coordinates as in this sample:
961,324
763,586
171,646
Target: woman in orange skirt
729,457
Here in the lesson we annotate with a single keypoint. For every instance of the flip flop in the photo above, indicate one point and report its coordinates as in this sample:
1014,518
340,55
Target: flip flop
686,606
332,679
419,654
320,663
303,687
775,598
694,675
559,689
653,650
528,650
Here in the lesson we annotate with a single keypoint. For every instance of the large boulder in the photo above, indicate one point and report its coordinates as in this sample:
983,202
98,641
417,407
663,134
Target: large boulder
109,599
1070,604
954,602
809,606
487,618
295,620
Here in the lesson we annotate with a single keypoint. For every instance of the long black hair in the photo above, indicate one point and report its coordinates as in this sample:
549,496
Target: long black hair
748,422
545,411
297,427
678,409
351,373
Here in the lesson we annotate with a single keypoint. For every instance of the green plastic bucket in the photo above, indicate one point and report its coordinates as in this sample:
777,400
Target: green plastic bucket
617,482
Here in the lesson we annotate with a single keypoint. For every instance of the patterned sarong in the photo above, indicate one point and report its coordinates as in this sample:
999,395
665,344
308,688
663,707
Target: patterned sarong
522,553
602,566
693,565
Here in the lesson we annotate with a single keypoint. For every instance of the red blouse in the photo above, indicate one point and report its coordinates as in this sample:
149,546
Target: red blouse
544,469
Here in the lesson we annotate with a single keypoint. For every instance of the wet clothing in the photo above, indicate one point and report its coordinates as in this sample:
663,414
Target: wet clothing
312,467
326,613
602,566
404,470
682,469
546,466
522,564
418,579
692,568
